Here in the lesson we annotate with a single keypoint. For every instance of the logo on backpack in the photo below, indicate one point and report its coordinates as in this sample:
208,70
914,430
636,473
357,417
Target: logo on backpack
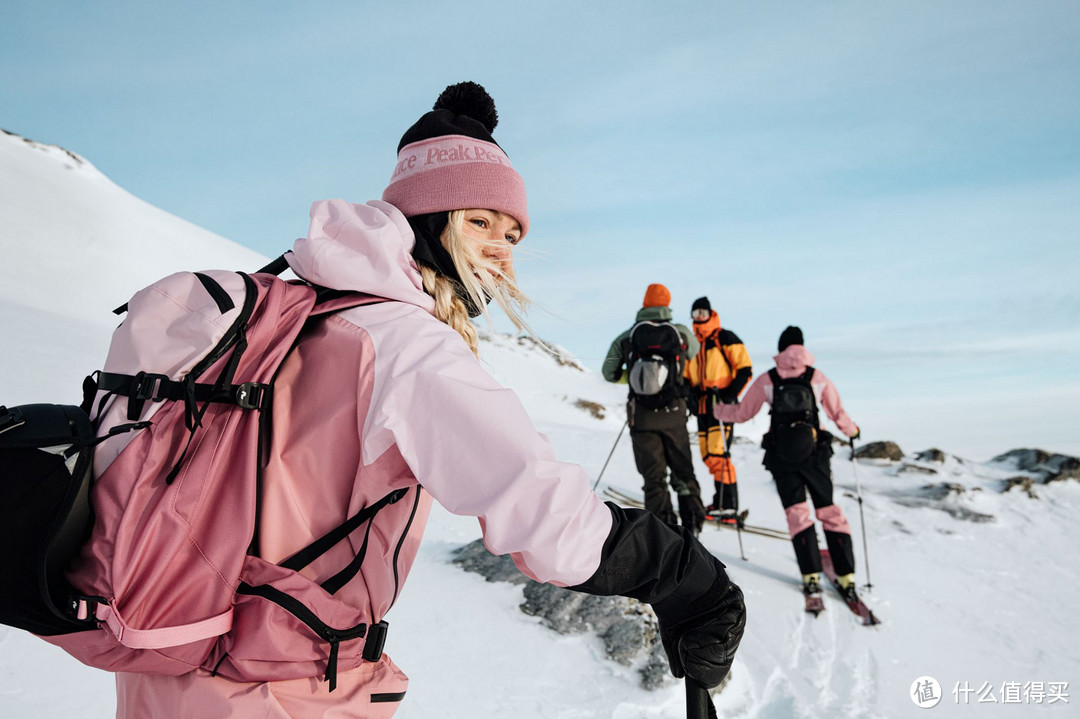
794,417
655,360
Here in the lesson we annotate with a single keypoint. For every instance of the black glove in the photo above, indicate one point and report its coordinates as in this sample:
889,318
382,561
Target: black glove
700,638
727,395
691,512
701,613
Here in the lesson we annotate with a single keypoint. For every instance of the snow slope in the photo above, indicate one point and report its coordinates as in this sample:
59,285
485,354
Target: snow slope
981,602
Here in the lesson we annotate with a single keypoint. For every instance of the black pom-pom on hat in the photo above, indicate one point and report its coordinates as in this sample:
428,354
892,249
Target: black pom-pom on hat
462,109
471,99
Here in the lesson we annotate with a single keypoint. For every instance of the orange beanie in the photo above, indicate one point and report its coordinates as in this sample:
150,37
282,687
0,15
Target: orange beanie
657,296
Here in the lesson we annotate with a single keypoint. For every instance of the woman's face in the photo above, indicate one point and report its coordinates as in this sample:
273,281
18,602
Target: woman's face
498,234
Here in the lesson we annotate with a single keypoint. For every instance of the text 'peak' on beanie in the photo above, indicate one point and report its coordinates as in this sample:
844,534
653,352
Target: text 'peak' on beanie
701,303
792,335
448,160
656,296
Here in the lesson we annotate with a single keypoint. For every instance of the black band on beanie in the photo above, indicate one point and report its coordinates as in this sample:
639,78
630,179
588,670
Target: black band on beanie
792,335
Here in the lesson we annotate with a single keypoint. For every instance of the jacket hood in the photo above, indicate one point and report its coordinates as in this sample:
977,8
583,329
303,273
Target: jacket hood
794,358
362,248
706,328
657,314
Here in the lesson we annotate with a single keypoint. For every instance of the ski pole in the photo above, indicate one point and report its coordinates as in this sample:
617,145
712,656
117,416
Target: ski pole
862,519
738,524
610,453
698,703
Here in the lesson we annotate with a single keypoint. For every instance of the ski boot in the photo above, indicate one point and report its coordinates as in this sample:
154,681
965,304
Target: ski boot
811,589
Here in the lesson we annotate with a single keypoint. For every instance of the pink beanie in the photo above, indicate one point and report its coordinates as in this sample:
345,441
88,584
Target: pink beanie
448,160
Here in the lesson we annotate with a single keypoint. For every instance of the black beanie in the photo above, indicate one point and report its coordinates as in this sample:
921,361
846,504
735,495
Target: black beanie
701,303
790,336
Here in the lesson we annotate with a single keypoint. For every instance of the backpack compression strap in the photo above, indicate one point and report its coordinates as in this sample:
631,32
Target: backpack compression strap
147,386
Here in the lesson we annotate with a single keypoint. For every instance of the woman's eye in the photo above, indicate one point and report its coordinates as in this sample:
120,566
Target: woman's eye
481,223
512,239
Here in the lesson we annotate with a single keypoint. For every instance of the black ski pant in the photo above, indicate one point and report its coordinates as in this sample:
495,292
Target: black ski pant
661,443
813,476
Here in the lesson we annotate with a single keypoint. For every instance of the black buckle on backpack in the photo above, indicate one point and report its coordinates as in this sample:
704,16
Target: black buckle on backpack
374,641
146,385
10,418
251,395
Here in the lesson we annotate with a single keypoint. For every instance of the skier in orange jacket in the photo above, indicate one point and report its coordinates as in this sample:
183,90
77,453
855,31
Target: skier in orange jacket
716,375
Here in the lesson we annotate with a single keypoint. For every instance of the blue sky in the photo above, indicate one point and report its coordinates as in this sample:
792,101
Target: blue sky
902,180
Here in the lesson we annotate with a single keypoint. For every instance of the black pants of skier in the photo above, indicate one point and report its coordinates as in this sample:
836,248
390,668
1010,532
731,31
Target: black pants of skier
813,476
661,443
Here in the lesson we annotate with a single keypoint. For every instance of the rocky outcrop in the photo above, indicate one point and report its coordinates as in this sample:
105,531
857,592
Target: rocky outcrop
596,409
627,628
1046,466
931,455
880,450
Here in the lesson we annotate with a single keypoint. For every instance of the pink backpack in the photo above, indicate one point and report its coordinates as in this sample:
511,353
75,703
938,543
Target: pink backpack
170,579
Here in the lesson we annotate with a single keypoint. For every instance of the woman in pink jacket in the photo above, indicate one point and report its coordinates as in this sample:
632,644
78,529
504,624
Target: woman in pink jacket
390,396
797,453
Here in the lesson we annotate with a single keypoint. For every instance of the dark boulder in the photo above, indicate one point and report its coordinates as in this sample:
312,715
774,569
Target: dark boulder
880,450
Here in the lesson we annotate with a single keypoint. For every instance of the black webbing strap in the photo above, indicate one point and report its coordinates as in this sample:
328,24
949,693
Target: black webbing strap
145,386
323,544
275,267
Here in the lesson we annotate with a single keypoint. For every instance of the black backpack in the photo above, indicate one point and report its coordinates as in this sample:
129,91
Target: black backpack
655,359
46,453
793,426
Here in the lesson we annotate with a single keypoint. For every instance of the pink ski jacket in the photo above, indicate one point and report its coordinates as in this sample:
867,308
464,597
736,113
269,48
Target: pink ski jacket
373,399
792,362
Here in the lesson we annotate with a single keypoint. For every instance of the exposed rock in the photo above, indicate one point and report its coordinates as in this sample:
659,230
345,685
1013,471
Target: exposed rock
561,356
656,673
1026,484
880,450
1049,467
1068,468
947,497
942,490
627,627
1024,458
908,468
474,557
931,455
596,409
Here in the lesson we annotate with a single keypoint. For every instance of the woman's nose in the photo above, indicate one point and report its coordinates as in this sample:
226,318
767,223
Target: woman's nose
501,251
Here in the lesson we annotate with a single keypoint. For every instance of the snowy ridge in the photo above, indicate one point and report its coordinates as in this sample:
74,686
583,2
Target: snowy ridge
963,600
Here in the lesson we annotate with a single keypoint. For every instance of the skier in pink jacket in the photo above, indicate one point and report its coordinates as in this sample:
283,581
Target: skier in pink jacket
797,453
390,396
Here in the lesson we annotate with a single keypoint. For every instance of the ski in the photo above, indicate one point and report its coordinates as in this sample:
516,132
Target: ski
714,519
814,604
619,496
750,528
856,605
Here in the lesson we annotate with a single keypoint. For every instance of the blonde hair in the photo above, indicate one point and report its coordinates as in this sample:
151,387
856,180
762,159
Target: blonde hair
482,279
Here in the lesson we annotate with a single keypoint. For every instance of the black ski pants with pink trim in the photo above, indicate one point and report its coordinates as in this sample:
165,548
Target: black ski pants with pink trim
813,476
